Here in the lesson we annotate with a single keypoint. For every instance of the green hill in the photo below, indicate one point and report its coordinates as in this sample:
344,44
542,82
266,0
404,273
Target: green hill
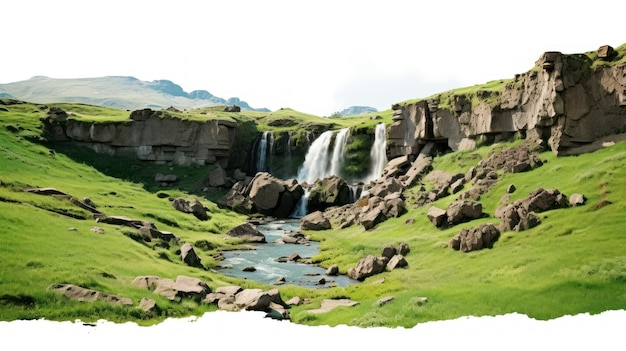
573,262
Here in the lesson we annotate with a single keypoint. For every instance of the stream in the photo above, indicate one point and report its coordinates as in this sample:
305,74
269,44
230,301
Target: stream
264,258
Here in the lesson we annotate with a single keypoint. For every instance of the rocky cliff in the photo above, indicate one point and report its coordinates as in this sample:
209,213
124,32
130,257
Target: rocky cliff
150,135
565,101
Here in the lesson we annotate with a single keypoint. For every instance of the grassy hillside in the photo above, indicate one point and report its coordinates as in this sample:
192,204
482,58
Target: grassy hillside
573,262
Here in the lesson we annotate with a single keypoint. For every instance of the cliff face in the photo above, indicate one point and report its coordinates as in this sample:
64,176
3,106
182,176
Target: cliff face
565,101
151,136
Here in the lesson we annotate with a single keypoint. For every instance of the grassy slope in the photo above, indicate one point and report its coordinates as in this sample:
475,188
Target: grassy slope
573,262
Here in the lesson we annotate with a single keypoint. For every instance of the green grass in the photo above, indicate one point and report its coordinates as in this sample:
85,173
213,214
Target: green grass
573,262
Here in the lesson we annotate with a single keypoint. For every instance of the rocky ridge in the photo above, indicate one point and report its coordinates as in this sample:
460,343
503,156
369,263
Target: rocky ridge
566,102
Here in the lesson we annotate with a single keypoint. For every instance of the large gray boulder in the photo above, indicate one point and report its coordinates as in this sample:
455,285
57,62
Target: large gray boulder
264,194
247,232
315,221
265,191
367,267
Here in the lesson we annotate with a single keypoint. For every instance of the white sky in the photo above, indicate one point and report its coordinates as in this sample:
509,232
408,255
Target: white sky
314,56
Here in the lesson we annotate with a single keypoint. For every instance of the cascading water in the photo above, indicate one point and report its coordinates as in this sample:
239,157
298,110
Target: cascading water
320,163
378,154
338,151
316,155
262,163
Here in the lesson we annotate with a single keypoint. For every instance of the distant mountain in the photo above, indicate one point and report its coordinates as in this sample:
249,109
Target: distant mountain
126,93
357,110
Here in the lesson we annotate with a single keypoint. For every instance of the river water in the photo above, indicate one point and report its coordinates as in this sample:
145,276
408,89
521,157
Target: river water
264,258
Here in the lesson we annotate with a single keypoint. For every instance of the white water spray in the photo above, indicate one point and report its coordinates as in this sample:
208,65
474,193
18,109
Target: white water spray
320,163
338,151
261,161
378,154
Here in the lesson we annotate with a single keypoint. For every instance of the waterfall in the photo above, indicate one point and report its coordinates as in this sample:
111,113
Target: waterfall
320,163
262,163
316,159
301,207
338,151
378,154
287,144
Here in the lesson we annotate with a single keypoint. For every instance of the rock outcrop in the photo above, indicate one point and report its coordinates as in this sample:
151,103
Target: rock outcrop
566,102
78,293
183,287
520,215
193,206
247,232
457,212
264,194
150,135
481,237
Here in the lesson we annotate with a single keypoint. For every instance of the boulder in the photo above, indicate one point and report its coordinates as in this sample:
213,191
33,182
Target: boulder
541,200
437,216
385,187
516,217
295,238
232,108
148,305
417,170
247,232
477,238
403,249
265,191
332,270
189,256
463,211
372,217
217,177
577,200
258,300
328,192
330,304
396,167
510,189
389,251
394,207
236,200
78,293
193,206
397,261
272,196
315,221
123,220
183,288
367,266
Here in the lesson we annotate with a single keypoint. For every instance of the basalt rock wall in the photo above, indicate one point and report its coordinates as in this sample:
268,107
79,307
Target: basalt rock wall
565,101
152,136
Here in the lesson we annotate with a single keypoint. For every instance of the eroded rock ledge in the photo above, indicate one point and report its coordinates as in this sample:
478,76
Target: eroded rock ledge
565,101
151,136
